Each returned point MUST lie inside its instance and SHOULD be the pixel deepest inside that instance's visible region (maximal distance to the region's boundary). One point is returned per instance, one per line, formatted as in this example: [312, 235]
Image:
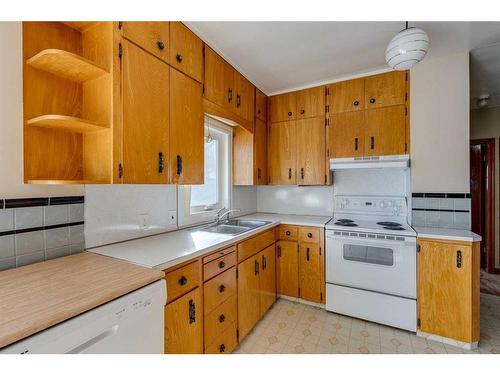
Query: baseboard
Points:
[302, 301]
[448, 341]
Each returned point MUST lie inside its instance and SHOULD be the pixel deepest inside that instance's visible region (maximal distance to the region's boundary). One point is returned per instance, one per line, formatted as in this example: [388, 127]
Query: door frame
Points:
[489, 202]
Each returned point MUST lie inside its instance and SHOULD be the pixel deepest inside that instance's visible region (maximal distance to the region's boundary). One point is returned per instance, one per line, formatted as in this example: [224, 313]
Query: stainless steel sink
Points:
[247, 223]
[232, 227]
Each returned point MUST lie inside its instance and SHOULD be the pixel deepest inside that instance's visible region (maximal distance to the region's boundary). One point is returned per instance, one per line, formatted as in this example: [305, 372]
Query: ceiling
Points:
[283, 56]
[485, 74]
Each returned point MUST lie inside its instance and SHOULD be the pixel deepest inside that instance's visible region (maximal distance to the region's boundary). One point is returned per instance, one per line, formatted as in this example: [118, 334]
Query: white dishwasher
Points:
[133, 323]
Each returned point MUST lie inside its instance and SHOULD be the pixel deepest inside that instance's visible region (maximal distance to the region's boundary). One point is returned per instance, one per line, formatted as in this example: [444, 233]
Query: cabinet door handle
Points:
[161, 162]
[256, 267]
[259, 173]
[289, 173]
[238, 100]
[222, 264]
[288, 233]
[222, 348]
[302, 173]
[309, 235]
[229, 95]
[161, 45]
[279, 251]
[179, 165]
[258, 111]
[222, 288]
[307, 254]
[356, 144]
[289, 114]
[182, 281]
[372, 142]
[192, 312]
[222, 318]
[372, 100]
[356, 103]
[302, 111]
[459, 259]
[264, 262]
[178, 57]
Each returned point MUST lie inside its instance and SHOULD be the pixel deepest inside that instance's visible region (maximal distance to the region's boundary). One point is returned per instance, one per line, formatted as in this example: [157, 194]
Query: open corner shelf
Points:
[67, 182]
[66, 65]
[66, 123]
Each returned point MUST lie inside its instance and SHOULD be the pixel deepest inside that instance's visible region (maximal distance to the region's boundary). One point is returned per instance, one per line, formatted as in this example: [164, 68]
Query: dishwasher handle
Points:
[94, 340]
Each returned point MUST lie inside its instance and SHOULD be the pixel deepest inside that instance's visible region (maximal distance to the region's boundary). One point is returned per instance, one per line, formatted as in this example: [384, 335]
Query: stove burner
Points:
[394, 228]
[345, 221]
[388, 224]
[345, 224]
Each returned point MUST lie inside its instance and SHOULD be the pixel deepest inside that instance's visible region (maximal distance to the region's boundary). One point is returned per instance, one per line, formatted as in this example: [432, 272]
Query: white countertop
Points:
[447, 234]
[169, 249]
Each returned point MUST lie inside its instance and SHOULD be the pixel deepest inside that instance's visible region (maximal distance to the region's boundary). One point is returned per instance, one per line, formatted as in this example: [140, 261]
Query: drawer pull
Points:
[356, 144]
[302, 111]
[222, 348]
[309, 235]
[288, 233]
[307, 254]
[222, 288]
[356, 103]
[192, 312]
[178, 57]
[459, 259]
[372, 100]
[161, 45]
[222, 264]
[183, 281]
[289, 113]
[222, 318]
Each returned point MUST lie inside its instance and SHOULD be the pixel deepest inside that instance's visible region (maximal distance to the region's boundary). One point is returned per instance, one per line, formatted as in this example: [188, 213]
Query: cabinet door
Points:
[385, 89]
[346, 134]
[152, 36]
[219, 80]
[186, 130]
[311, 102]
[186, 51]
[248, 295]
[445, 287]
[283, 107]
[145, 117]
[283, 153]
[385, 132]
[184, 324]
[311, 154]
[245, 97]
[267, 278]
[310, 272]
[346, 96]
[288, 268]
[260, 105]
[260, 152]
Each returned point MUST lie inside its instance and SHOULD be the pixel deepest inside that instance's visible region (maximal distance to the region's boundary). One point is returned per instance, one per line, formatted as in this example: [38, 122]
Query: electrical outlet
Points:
[144, 221]
[172, 217]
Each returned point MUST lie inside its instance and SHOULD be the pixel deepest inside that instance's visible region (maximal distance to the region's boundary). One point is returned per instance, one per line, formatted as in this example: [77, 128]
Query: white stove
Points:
[371, 261]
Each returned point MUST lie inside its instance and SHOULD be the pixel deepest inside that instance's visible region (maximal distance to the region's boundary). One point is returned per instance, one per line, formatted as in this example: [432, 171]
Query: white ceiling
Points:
[485, 74]
[282, 56]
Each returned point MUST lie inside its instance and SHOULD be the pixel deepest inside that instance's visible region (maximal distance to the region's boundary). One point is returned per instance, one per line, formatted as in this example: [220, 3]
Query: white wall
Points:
[11, 122]
[439, 115]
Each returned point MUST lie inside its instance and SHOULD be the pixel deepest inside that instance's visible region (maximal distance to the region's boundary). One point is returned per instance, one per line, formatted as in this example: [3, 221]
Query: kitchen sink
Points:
[233, 227]
[246, 223]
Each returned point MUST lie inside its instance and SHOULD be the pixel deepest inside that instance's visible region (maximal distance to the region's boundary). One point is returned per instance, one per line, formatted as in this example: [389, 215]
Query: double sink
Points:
[232, 227]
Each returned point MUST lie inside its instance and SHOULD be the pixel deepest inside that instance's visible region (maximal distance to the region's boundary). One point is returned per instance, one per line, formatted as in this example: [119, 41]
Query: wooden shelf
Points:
[66, 123]
[67, 182]
[66, 64]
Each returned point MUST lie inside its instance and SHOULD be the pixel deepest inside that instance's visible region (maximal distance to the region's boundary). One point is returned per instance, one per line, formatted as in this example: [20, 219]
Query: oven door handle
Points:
[373, 241]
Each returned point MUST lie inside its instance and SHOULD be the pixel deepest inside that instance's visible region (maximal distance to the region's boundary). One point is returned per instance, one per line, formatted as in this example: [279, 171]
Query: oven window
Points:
[369, 254]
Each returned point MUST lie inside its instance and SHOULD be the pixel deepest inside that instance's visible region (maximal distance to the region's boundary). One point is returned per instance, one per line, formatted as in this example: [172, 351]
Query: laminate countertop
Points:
[166, 250]
[447, 234]
[40, 295]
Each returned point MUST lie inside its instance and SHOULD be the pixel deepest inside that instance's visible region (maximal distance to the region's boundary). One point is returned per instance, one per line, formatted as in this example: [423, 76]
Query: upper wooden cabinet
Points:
[260, 152]
[385, 131]
[244, 101]
[186, 51]
[311, 102]
[386, 89]
[346, 96]
[283, 107]
[346, 134]
[152, 36]
[283, 153]
[260, 105]
[311, 151]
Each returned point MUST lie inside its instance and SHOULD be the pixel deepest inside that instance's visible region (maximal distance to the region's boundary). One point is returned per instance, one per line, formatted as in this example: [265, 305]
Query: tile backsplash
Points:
[37, 229]
[443, 210]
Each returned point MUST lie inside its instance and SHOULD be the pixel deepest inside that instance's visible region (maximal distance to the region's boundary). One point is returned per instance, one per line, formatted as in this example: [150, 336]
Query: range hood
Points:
[369, 162]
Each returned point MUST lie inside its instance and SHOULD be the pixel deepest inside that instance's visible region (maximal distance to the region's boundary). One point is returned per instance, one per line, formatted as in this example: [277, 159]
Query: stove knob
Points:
[382, 204]
[389, 203]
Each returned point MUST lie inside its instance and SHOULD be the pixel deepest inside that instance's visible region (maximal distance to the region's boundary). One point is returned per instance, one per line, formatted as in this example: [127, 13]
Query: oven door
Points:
[381, 265]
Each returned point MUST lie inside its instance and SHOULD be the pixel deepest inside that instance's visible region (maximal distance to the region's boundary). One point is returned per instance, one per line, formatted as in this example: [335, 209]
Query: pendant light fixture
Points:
[407, 48]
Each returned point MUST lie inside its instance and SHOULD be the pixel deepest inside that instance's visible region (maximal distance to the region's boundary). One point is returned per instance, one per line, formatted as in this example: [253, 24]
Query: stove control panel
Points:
[390, 206]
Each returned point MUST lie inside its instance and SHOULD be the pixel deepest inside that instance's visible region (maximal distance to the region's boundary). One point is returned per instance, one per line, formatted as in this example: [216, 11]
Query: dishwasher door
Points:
[131, 324]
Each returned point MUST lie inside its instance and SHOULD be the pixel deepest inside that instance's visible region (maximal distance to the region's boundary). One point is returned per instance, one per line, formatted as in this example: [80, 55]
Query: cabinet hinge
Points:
[299, 292]
[237, 273]
[406, 76]
[203, 89]
[326, 179]
[120, 170]
[406, 111]
[327, 91]
[327, 152]
[406, 147]
[406, 97]
[120, 25]
[418, 322]
[237, 333]
[321, 296]
[120, 50]
[327, 108]
[418, 248]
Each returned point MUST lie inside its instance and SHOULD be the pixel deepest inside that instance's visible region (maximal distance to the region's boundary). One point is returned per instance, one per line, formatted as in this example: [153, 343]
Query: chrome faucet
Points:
[227, 213]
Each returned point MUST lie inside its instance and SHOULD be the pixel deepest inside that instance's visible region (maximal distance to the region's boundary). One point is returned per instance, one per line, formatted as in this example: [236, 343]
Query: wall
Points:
[11, 122]
[485, 123]
[439, 113]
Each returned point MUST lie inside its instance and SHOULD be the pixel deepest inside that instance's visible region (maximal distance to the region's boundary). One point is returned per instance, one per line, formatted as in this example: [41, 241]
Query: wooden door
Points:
[249, 310]
[184, 324]
[152, 36]
[311, 102]
[187, 146]
[346, 134]
[260, 105]
[386, 89]
[448, 290]
[267, 278]
[260, 152]
[145, 117]
[311, 151]
[245, 97]
[283, 107]
[186, 51]
[288, 268]
[385, 132]
[310, 272]
[283, 153]
[219, 80]
[346, 96]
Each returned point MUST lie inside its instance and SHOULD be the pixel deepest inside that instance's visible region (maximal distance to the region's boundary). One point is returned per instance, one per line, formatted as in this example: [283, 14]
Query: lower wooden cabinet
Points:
[288, 268]
[267, 278]
[310, 256]
[448, 289]
[184, 324]
[224, 343]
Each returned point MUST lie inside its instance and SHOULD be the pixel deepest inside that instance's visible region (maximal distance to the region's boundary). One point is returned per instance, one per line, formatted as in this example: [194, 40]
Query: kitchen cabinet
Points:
[219, 80]
[448, 289]
[186, 130]
[267, 278]
[283, 153]
[385, 131]
[244, 102]
[151, 36]
[146, 117]
[346, 134]
[260, 152]
[311, 102]
[184, 324]
[311, 151]
[346, 96]
[310, 272]
[260, 105]
[283, 107]
[186, 51]
[288, 268]
[383, 90]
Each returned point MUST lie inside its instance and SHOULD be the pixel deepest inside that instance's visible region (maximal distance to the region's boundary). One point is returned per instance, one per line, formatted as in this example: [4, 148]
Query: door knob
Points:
[183, 281]
[222, 288]
[161, 45]
[372, 100]
[178, 57]
[222, 264]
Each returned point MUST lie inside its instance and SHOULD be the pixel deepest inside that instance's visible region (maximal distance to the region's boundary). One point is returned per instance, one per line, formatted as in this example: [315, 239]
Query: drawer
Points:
[219, 289]
[218, 265]
[152, 36]
[220, 319]
[225, 342]
[183, 280]
[308, 234]
[255, 244]
[288, 232]
[218, 254]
